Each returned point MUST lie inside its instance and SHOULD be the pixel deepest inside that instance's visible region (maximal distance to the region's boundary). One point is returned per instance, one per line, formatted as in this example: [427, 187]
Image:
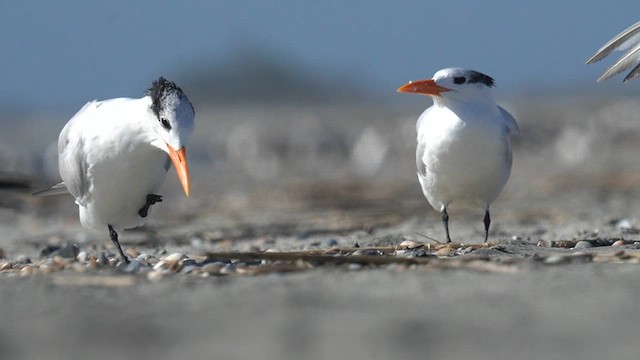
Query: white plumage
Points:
[113, 156]
[464, 149]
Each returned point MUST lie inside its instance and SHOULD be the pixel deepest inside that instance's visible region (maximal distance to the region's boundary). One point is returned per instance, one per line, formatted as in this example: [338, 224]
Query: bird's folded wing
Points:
[509, 122]
[73, 168]
[72, 157]
[420, 165]
[620, 42]
[57, 189]
[629, 59]
[628, 39]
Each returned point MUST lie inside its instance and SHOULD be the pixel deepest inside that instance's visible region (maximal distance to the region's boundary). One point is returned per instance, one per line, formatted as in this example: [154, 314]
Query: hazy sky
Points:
[63, 53]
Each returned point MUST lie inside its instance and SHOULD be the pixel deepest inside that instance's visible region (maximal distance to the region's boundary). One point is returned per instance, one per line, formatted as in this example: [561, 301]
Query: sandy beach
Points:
[557, 280]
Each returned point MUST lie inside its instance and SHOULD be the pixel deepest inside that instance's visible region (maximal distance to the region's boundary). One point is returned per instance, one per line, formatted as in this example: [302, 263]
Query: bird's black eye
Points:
[459, 80]
[165, 123]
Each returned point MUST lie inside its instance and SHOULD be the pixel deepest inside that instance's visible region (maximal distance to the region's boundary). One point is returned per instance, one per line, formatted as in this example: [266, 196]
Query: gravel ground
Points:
[338, 261]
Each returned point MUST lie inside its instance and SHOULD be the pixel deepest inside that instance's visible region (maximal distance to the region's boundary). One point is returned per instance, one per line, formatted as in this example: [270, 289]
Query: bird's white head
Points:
[174, 124]
[452, 84]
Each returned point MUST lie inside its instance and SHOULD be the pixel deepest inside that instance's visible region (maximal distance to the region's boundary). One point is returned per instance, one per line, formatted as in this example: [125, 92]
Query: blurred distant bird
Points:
[113, 155]
[627, 40]
[464, 149]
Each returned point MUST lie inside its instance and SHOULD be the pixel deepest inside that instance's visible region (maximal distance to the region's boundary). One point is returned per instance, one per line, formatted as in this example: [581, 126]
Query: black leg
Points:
[445, 221]
[151, 200]
[114, 237]
[487, 223]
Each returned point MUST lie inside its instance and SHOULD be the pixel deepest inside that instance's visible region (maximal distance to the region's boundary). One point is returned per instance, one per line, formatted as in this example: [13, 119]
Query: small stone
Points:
[544, 243]
[189, 262]
[176, 267]
[175, 257]
[144, 257]
[5, 265]
[212, 268]
[160, 265]
[404, 253]
[409, 244]
[445, 251]
[28, 270]
[354, 266]
[23, 259]
[366, 252]
[618, 243]
[147, 259]
[583, 245]
[52, 265]
[188, 269]
[173, 262]
[411, 253]
[173, 266]
[466, 250]
[133, 267]
[48, 250]
[422, 253]
[59, 261]
[68, 251]
[83, 256]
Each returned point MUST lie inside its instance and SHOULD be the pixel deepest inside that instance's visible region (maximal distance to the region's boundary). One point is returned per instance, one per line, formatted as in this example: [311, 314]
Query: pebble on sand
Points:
[583, 245]
[445, 251]
[409, 244]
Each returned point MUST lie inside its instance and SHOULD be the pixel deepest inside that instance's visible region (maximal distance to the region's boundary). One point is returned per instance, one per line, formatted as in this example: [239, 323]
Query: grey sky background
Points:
[61, 54]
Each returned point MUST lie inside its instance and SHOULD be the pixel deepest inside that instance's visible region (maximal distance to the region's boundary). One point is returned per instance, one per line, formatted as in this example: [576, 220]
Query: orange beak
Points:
[425, 87]
[179, 159]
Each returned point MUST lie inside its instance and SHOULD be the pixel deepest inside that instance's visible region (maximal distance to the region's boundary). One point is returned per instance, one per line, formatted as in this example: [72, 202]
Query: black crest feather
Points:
[478, 77]
[159, 90]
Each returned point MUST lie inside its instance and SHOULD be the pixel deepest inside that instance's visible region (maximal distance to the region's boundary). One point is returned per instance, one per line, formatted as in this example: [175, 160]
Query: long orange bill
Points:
[425, 87]
[179, 159]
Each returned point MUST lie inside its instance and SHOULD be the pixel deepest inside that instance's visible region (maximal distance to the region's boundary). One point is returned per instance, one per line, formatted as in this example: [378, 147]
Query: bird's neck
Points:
[476, 105]
[470, 111]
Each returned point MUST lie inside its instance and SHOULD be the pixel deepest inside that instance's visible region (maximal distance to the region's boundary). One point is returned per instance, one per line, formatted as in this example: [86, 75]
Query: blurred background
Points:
[288, 92]
[302, 142]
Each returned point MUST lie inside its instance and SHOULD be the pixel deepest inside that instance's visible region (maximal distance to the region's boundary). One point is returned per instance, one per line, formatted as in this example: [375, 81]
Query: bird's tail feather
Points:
[57, 189]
